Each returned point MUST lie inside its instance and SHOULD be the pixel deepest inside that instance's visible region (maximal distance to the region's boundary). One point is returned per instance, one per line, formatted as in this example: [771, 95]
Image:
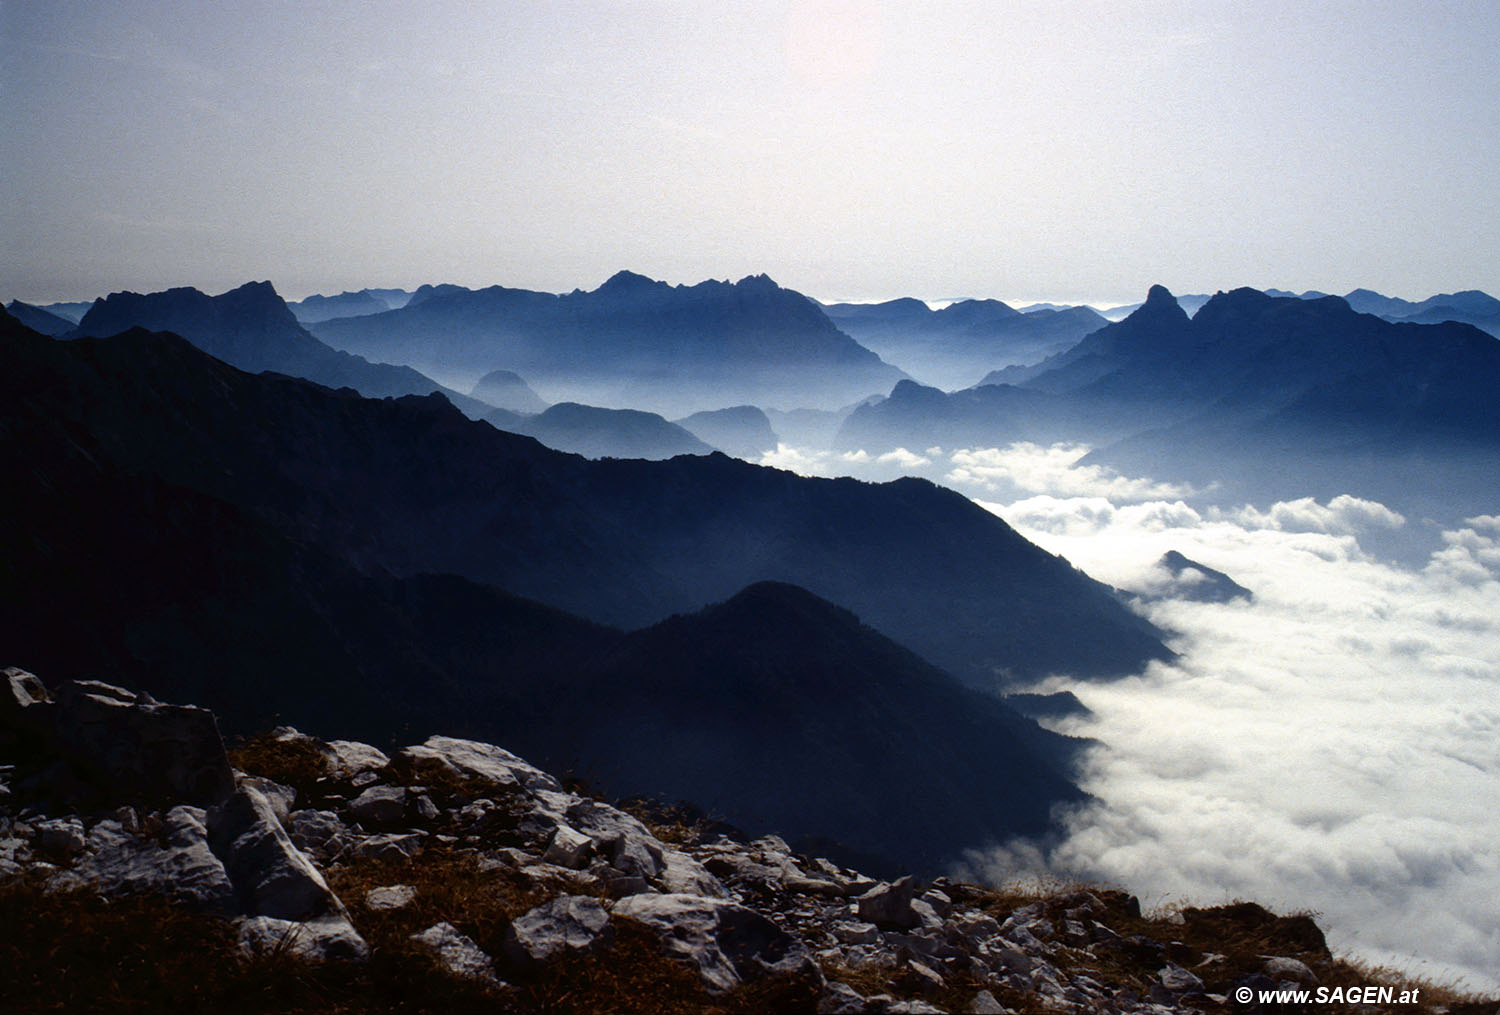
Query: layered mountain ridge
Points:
[1267, 396]
[252, 328]
[305, 555]
[410, 485]
[631, 343]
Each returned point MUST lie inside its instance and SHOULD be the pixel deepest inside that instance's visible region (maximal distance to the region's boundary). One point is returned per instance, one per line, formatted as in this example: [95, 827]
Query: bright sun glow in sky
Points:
[1027, 151]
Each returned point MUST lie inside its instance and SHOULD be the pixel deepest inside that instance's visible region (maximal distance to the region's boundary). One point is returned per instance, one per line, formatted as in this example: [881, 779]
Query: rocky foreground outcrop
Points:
[337, 854]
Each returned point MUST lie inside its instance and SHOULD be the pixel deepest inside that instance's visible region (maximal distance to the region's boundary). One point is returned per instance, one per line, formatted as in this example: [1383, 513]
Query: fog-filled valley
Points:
[811, 567]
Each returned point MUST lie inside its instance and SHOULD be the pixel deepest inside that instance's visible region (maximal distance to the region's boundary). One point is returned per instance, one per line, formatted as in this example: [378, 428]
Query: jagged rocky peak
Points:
[1160, 304]
[459, 858]
[757, 283]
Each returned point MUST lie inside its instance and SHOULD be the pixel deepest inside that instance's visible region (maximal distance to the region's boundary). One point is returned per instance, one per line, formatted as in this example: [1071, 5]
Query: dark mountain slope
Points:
[632, 342]
[252, 328]
[801, 719]
[409, 486]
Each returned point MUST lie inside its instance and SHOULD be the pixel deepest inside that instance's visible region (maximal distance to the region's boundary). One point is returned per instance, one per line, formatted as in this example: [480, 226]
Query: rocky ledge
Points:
[524, 895]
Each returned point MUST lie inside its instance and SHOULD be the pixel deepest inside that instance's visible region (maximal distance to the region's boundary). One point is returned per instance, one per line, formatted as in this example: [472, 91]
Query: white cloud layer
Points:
[1035, 469]
[1333, 746]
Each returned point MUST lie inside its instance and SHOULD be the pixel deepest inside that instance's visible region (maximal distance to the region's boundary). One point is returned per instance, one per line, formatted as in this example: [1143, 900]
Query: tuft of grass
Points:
[295, 763]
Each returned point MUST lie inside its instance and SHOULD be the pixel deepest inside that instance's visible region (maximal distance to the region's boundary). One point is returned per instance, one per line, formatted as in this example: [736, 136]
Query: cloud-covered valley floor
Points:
[1332, 746]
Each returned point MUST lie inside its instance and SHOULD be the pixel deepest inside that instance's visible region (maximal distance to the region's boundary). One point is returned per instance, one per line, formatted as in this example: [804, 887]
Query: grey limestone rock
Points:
[379, 805]
[60, 838]
[568, 847]
[1281, 968]
[482, 762]
[388, 848]
[727, 943]
[185, 869]
[984, 1003]
[270, 875]
[321, 833]
[390, 897]
[349, 758]
[569, 923]
[841, 999]
[457, 953]
[138, 748]
[329, 938]
[1179, 980]
[889, 905]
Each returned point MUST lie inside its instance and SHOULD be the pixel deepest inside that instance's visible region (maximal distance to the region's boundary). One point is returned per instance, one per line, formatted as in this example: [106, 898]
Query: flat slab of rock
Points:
[184, 870]
[327, 939]
[569, 923]
[390, 897]
[483, 762]
[457, 953]
[725, 942]
[379, 805]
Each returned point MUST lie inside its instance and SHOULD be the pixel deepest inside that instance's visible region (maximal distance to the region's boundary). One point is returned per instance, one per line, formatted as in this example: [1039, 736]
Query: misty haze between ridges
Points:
[1294, 499]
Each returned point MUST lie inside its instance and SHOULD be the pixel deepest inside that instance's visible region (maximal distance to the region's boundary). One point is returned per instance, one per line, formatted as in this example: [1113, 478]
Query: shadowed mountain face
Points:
[952, 347]
[603, 433]
[776, 709]
[631, 343]
[1267, 396]
[251, 328]
[788, 702]
[409, 486]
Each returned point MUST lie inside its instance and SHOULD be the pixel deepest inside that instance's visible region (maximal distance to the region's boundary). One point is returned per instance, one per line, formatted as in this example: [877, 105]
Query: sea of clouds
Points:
[1332, 746]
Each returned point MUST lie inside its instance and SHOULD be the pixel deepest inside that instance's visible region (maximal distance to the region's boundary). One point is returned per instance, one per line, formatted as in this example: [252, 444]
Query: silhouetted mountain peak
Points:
[257, 298]
[626, 283]
[757, 283]
[775, 603]
[1161, 311]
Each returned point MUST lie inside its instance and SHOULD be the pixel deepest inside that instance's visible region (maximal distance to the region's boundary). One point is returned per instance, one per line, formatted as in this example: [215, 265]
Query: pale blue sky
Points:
[1025, 151]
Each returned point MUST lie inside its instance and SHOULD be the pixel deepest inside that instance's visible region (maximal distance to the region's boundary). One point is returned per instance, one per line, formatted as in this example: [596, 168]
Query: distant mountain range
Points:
[955, 346]
[1468, 307]
[1279, 395]
[742, 431]
[348, 304]
[251, 327]
[631, 343]
[602, 433]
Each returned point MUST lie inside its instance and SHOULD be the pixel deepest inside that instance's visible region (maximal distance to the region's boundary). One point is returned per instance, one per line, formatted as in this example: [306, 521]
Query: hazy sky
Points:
[850, 150]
